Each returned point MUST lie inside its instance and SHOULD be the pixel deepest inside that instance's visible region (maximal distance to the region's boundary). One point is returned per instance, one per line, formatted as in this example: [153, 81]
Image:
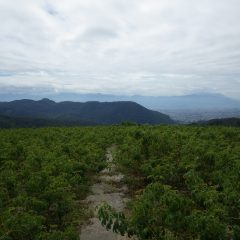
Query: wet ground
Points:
[109, 188]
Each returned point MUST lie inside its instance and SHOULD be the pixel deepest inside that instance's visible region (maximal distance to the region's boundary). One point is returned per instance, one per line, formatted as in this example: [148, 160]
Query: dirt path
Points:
[110, 189]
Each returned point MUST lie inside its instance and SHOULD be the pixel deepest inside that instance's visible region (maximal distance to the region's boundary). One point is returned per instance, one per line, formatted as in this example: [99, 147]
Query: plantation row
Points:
[185, 183]
[43, 175]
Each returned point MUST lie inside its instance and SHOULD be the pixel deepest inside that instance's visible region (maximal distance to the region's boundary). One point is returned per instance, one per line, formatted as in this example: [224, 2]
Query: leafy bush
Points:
[190, 186]
[43, 175]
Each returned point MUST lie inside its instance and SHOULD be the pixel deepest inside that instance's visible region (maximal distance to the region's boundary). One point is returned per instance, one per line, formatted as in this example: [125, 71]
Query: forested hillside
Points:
[229, 122]
[76, 112]
[32, 122]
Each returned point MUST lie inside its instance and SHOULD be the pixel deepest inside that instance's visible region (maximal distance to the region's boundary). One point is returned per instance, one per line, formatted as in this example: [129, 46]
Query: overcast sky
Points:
[147, 47]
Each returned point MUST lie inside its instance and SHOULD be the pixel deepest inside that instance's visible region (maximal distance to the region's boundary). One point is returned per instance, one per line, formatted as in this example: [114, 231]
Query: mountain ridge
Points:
[202, 100]
[91, 111]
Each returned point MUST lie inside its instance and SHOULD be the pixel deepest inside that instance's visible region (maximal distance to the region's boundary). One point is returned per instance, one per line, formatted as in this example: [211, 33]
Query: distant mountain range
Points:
[193, 101]
[47, 112]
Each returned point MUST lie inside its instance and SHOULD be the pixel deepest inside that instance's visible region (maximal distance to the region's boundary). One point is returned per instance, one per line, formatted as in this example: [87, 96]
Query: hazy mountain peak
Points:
[46, 100]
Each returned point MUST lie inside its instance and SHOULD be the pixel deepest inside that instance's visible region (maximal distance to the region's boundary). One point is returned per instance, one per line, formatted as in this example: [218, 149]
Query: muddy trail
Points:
[109, 188]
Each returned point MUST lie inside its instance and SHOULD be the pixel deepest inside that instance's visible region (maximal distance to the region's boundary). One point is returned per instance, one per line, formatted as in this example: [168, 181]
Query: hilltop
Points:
[88, 113]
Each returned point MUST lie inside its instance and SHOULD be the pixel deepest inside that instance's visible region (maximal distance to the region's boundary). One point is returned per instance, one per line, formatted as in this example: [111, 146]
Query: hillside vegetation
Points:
[32, 122]
[77, 113]
[43, 175]
[184, 181]
[229, 122]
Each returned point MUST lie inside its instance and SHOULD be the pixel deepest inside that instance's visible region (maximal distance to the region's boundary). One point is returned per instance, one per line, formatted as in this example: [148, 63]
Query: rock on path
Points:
[108, 189]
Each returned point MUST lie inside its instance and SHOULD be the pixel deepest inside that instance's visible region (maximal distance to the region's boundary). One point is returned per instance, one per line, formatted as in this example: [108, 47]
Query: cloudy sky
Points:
[147, 47]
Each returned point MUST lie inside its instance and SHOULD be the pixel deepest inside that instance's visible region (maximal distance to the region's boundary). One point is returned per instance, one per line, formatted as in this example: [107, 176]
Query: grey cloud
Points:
[146, 47]
[99, 33]
[50, 9]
